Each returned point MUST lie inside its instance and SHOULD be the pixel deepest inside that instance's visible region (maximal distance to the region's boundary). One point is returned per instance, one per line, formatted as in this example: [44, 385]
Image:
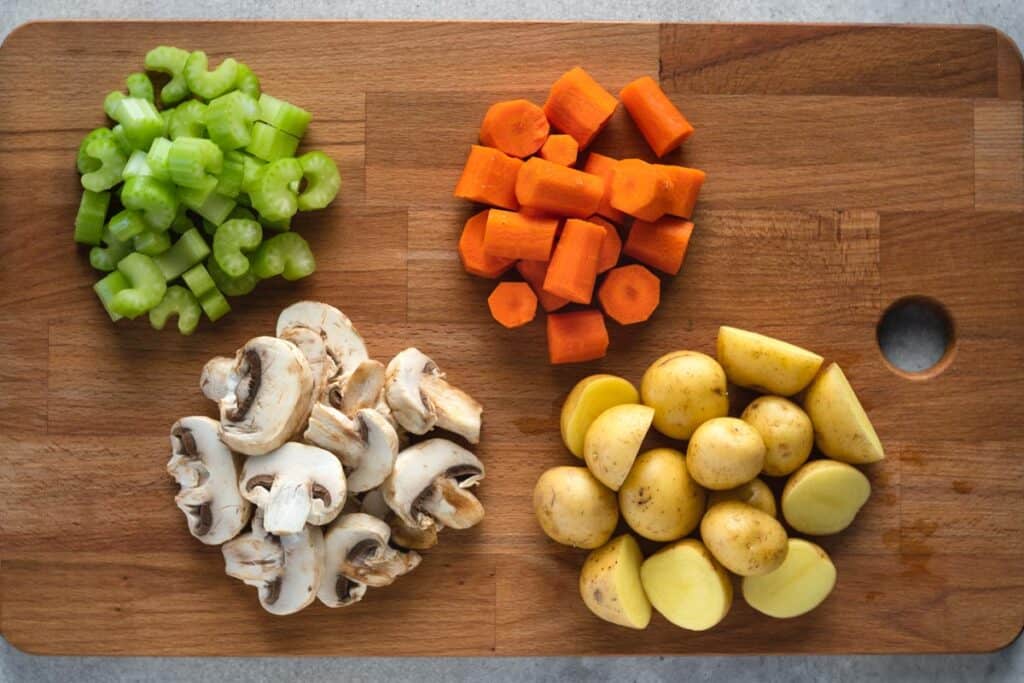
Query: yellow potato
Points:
[754, 493]
[786, 430]
[686, 389]
[765, 364]
[687, 586]
[745, 540]
[589, 398]
[659, 499]
[824, 496]
[614, 439]
[574, 508]
[725, 453]
[842, 429]
[804, 580]
[610, 583]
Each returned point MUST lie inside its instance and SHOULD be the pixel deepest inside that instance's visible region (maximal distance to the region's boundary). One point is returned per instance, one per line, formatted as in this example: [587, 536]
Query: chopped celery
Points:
[152, 242]
[187, 120]
[270, 194]
[107, 288]
[139, 85]
[137, 165]
[157, 158]
[209, 84]
[216, 208]
[111, 101]
[118, 135]
[284, 115]
[229, 183]
[322, 178]
[105, 258]
[199, 281]
[232, 238]
[242, 212]
[287, 254]
[147, 286]
[182, 223]
[126, 224]
[189, 250]
[271, 144]
[194, 197]
[142, 122]
[180, 302]
[214, 305]
[92, 213]
[86, 163]
[250, 171]
[231, 286]
[229, 119]
[192, 160]
[247, 82]
[156, 200]
[112, 161]
[171, 61]
[282, 225]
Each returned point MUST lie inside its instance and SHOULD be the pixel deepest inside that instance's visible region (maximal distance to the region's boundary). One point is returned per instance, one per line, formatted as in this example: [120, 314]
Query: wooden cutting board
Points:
[848, 166]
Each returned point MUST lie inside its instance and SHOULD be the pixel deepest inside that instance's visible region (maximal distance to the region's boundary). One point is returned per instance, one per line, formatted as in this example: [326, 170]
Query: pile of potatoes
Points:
[714, 489]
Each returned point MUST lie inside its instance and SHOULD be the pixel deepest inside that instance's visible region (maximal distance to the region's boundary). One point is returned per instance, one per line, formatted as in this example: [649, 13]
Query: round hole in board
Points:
[917, 337]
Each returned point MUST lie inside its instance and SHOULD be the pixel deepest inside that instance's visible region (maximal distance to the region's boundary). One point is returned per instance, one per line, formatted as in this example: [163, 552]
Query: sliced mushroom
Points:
[312, 346]
[428, 486]
[341, 341]
[207, 472]
[362, 388]
[357, 548]
[285, 569]
[421, 399]
[402, 535]
[342, 592]
[294, 485]
[264, 394]
[367, 445]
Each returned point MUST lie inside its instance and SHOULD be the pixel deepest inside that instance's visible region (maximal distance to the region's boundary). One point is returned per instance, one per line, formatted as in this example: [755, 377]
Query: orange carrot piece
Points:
[630, 294]
[560, 190]
[560, 149]
[514, 236]
[604, 167]
[516, 127]
[611, 247]
[661, 244]
[685, 186]
[534, 272]
[662, 124]
[489, 177]
[579, 106]
[513, 304]
[639, 189]
[576, 337]
[573, 267]
[471, 250]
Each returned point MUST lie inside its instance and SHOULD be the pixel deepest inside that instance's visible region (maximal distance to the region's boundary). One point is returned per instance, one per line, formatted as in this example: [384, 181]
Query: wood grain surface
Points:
[849, 166]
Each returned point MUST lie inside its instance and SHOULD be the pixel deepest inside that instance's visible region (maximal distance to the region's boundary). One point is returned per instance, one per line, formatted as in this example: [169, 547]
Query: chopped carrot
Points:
[639, 189]
[513, 304]
[662, 124]
[661, 244]
[557, 189]
[579, 106]
[603, 167]
[685, 186]
[489, 177]
[534, 272]
[630, 294]
[611, 248]
[576, 337]
[514, 236]
[516, 127]
[560, 149]
[471, 250]
[573, 267]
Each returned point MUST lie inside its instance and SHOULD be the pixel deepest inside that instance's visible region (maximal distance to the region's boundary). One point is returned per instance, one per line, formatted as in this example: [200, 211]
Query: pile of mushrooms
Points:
[314, 478]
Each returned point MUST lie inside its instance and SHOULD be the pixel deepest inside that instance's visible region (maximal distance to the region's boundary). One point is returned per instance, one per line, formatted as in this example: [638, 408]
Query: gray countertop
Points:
[1006, 665]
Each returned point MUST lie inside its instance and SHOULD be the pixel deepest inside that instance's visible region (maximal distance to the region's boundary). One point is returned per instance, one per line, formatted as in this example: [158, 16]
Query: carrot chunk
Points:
[560, 149]
[684, 186]
[471, 250]
[514, 236]
[534, 272]
[579, 106]
[563, 191]
[603, 167]
[661, 123]
[516, 127]
[573, 267]
[630, 294]
[513, 304]
[611, 247]
[489, 177]
[639, 189]
[661, 244]
[576, 337]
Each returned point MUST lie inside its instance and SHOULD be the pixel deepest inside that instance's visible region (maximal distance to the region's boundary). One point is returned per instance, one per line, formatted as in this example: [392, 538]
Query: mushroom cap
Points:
[264, 393]
[207, 473]
[312, 346]
[294, 485]
[343, 343]
[286, 570]
[367, 445]
[357, 548]
[420, 398]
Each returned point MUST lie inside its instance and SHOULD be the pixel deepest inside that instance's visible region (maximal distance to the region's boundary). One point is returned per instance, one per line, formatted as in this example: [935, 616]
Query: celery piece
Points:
[216, 208]
[322, 181]
[157, 158]
[234, 237]
[118, 136]
[110, 103]
[112, 161]
[191, 160]
[287, 254]
[142, 122]
[214, 305]
[251, 169]
[271, 144]
[139, 85]
[126, 224]
[155, 199]
[188, 121]
[91, 216]
[229, 183]
[182, 223]
[189, 250]
[105, 258]
[209, 227]
[270, 194]
[84, 162]
[229, 119]
[247, 82]
[170, 61]
[180, 302]
[137, 165]
[107, 288]
[283, 225]
[242, 212]
[194, 197]
[231, 286]
[284, 115]
[209, 84]
[147, 286]
[198, 280]
[152, 242]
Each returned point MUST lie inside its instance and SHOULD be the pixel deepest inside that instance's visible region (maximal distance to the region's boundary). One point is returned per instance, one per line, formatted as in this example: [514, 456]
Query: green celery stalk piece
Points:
[189, 250]
[91, 217]
[284, 116]
[105, 258]
[156, 158]
[191, 161]
[125, 225]
[231, 286]
[142, 122]
[139, 85]
[112, 161]
[121, 139]
[187, 121]
[247, 82]
[107, 288]
[229, 119]
[209, 84]
[182, 223]
[214, 305]
[216, 208]
[84, 162]
[229, 183]
[283, 225]
[195, 197]
[287, 254]
[199, 281]
[252, 167]
[233, 237]
[180, 302]
[137, 165]
[111, 102]
[170, 61]
[152, 242]
[270, 144]
[322, 181]
[155, 199]
[146, 290]
[271, 197]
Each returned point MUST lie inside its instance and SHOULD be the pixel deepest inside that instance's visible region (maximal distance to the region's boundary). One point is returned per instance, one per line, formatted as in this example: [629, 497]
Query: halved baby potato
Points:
[610, 583]
[824, 496]
[687, 585]
[765, 364]
[754, 493]
[589, 398]
[614, 439]
[800, 584]
[659, 499]
[745, 540]
[842, 429]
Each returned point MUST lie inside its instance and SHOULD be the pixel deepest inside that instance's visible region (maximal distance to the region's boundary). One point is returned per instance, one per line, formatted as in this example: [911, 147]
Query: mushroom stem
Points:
[456, 410]
[288, 506]
[452, 505]
[379, 565]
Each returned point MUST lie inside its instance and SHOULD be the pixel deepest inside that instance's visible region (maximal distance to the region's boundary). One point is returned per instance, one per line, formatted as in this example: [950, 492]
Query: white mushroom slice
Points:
[264, 394]
[207, 472]
[285, 569]
[402, 535]
[357, 548]
[421, 399]
[341, 341]
[341, 592]
[294, 485]
[367, 445]
[429, 486]
[312, 346]
[362, 388]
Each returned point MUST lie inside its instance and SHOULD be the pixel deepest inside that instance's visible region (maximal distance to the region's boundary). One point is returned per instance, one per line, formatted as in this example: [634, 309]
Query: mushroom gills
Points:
[402, 535]
[377, 564]
[450, 504]
[363, 388]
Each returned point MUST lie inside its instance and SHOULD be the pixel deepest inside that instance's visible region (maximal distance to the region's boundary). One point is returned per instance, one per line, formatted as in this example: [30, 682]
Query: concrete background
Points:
[1006, 665]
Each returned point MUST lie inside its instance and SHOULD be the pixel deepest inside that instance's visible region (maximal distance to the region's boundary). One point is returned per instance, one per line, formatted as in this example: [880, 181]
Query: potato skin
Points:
[589, 398]
[574, 508]
[754, 493]
[610, 583]
[659, 499]
[686, 389]
[786, 430]
[725, 453]
[765, 364]
[613, 442]
[745, 540]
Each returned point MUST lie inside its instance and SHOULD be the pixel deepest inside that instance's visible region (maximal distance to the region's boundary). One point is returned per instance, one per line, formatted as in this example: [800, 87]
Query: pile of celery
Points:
[217, 151]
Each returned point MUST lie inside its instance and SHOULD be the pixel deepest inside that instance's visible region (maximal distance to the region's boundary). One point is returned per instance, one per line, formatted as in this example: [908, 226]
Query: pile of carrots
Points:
[556, 221]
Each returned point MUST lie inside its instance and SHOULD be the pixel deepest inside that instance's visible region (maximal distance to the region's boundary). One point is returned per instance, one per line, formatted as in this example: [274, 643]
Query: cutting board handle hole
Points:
[917, 337]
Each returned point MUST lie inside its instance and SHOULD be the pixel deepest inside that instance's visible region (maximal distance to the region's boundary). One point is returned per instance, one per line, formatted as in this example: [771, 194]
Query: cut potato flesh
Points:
[589, 398]
[765, 364]
[613, 441]
[610, 583]
[802, 583]
[687, 586]
[824, 496]
[842, 429]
